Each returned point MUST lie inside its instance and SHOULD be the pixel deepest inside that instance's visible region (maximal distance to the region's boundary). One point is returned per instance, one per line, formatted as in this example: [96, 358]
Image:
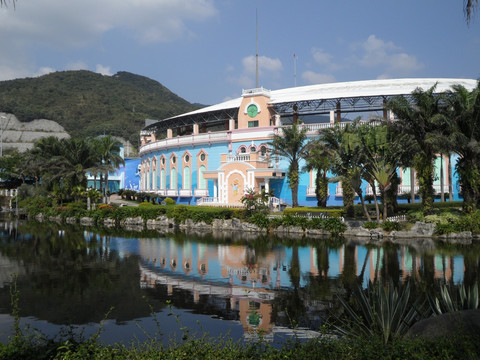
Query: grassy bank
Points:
[208, 348]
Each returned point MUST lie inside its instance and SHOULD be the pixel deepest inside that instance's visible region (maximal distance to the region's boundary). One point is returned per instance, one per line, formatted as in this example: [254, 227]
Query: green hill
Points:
[90, 104]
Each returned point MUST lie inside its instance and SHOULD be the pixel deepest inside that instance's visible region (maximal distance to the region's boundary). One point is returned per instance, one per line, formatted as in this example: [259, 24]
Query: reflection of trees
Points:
[71, 280]
[349, 275]
[390, 270]
[291, 305]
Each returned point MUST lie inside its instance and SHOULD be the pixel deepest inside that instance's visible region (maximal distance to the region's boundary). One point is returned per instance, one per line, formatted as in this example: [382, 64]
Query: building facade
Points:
[212, 156]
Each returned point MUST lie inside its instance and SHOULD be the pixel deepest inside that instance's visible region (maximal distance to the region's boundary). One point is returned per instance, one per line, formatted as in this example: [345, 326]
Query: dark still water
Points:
[147, 285]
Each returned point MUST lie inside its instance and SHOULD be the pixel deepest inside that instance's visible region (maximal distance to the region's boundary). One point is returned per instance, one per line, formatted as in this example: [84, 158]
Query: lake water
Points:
[141, 285]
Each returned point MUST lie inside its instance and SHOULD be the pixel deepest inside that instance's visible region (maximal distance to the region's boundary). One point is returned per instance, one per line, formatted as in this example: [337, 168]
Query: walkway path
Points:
[117, 199]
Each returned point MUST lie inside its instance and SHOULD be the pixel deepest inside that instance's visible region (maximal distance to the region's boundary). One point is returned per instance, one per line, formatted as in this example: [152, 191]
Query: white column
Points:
[332, 117]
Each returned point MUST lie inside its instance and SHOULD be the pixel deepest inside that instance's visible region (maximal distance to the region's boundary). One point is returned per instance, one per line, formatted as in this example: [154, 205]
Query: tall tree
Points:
[109, 155]
[71, 166]
[460, 133]
[319, 158]
[291, 144]
[348, 161]
[417, 115]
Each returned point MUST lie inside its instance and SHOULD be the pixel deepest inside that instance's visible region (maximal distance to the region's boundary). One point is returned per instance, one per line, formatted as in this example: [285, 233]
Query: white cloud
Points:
[61, 23]
[104, 70]
[325, 60]
[311, 77]
[44, 71]
[265, 64]
[321, 57]
[77, 65]
[387, 57]
[267, 68]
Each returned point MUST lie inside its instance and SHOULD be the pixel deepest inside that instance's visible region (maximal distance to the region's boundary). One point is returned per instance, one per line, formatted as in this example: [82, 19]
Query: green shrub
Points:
[316, 223]
[169, 201]
[35, 205]
[289, 220]
[468, 222]
[334, 225]
[146, 204]
[441, 229]
[259, 219]
[303, 211]
[180, 213]
[390, 226]
[276, 222]
[370, 225]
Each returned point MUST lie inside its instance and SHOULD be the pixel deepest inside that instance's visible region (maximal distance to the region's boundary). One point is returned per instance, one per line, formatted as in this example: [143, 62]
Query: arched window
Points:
[173, 178]
[186, 177]
[162, 179]
[150, 175]
[201, 180]
[243, 150]
[263, 150]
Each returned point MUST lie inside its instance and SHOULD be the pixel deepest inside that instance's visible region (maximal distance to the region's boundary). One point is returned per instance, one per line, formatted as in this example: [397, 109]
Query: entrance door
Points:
[235, 188]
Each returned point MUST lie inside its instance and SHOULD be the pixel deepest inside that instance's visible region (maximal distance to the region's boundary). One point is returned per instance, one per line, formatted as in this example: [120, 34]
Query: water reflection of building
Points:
[243, 265]
[254, 305]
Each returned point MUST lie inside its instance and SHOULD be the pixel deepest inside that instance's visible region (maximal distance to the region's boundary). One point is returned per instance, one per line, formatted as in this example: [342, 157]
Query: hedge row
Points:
[313, 212]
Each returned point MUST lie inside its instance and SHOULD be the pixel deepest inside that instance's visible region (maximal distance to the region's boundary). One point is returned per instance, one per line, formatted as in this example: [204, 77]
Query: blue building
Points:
[212, 156]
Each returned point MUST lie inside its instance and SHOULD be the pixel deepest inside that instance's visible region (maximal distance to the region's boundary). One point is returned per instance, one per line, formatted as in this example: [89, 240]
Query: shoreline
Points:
[354, 232]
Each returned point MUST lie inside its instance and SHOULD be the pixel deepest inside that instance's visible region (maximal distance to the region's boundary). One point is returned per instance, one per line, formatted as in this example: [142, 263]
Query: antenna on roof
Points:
[256, 56]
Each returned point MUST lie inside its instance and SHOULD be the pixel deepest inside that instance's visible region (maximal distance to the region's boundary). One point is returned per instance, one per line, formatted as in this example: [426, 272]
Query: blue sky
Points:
[204, 50]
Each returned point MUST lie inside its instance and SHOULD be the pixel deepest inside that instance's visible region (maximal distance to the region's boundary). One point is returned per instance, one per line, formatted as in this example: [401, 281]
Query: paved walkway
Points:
[117, 199]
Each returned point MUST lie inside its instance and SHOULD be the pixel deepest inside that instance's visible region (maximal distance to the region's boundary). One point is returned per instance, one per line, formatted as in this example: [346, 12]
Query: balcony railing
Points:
[172, 192]
[194, 139]
[158, 192]
[239, 157]
[201, 192]
[185, 192]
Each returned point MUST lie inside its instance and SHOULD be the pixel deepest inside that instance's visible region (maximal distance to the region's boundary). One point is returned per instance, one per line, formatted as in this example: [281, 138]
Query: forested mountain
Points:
[90, 104]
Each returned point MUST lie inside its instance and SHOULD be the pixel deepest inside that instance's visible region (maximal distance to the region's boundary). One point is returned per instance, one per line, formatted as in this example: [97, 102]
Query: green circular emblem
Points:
[252, 110]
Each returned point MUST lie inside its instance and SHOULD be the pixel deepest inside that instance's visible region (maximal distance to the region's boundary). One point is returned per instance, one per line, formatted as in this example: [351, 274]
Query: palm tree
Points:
[71, 167]
[40, 161]
[290, 144]
[334, 139]
[383, 174]
[461, 135]
[348, 161]
[469, 8]
[319, 158]
[417, 117]
[109, 155]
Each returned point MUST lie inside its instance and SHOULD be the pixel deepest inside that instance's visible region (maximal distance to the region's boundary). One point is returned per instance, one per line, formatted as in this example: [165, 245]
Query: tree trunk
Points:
[442, 195]
[365, 211]
[375, 200]
[449, 176]
[348, 197]
[106, 188]
[385, 205]
[321, 188]
[412, 184]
